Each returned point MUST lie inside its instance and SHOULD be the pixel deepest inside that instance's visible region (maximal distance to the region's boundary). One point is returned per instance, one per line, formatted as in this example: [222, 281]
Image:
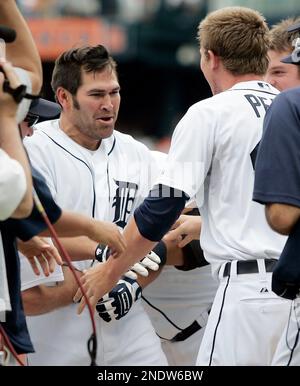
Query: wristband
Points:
[161, 250]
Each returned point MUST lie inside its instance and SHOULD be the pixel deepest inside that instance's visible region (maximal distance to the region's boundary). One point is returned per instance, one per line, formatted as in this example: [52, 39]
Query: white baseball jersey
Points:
[107, 184]
[211, 157]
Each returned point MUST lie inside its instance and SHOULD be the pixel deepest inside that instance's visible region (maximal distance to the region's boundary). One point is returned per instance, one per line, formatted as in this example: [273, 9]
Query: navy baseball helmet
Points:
[294, 58]
[44, 109]
[294, 27]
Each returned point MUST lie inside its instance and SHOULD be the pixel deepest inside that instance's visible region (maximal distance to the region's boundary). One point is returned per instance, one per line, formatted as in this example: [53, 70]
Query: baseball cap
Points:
[293, 28]
[44, 109]
[294, 58]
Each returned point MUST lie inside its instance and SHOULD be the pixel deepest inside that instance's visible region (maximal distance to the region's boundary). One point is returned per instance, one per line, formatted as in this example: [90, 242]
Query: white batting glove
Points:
[149, 262]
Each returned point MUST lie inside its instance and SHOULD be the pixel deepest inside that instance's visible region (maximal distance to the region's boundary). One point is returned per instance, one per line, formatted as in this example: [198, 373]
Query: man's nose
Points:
[107, 103]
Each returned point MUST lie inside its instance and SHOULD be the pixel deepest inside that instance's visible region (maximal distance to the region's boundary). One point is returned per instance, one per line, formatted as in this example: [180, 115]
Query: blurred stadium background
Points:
[154, 43]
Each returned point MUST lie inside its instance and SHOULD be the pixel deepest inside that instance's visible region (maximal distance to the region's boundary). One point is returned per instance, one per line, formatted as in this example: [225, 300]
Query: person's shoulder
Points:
[42, 131]
[47, 125]
[128, 140]
[208, 105]
[159, 156]
[202, 103]
[287, 100]
[291, 94]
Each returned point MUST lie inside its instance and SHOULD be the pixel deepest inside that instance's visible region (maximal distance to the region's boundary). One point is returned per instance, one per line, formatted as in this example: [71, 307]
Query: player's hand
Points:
[109, 234]
[96, 282]
[185, 229]
[40, 254]
[150, 261]
[117, 303]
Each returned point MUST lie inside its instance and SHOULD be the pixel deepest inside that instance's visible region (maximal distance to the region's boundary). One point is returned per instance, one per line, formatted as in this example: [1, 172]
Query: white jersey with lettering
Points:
[212, 157]
[106, 184]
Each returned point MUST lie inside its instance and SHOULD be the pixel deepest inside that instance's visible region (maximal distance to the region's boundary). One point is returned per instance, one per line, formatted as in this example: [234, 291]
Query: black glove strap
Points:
[99, 252]
[18, 93]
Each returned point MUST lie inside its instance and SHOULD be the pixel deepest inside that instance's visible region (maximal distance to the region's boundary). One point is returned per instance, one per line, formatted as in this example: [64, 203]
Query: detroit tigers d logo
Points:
[123, 201]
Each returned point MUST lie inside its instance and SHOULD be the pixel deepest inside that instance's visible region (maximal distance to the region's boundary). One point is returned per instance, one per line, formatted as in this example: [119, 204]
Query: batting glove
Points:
[117, 303]
[150, 261]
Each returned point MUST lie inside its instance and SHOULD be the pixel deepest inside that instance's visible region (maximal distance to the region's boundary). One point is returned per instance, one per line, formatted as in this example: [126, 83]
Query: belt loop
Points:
[233, 268]
[221, 270]
[262, 269]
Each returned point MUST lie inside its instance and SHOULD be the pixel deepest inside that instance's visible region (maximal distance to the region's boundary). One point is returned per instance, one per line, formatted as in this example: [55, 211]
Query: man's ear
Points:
[213, 59]
[63, 97]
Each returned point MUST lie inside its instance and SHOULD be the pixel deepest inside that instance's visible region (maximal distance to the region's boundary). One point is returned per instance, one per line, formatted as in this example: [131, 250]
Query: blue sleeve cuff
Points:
[155, 216]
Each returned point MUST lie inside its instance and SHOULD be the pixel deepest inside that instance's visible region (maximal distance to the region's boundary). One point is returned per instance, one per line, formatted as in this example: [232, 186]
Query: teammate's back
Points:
[228, 211]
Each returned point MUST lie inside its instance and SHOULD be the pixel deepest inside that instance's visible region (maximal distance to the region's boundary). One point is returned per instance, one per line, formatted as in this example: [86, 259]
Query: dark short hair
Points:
[69, 65]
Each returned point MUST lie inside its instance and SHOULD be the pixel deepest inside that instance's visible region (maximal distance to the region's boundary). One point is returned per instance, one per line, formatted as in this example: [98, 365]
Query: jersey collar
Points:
[254, 85]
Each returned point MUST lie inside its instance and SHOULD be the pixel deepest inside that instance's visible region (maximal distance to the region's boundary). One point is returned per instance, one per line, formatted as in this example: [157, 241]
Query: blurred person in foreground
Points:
[27, 71]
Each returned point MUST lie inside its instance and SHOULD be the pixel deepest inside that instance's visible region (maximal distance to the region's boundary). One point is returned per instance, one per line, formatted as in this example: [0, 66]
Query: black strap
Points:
[184, 333]
[19, 92]
[187, 332]
[161, 250]
[249, 266]
[99, 251]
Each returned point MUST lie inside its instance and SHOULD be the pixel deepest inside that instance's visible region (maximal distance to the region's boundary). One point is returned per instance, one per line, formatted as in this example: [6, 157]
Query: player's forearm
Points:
[79, 248]
[72, 224]
[103, 232]
[137, 248]
[144, 281]
[11, 16]
[282, 218]
[41, 299]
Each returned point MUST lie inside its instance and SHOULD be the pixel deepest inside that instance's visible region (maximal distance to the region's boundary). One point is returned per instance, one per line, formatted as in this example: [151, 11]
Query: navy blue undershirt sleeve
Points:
[155, 216]
[277, 166]
[25, 229]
